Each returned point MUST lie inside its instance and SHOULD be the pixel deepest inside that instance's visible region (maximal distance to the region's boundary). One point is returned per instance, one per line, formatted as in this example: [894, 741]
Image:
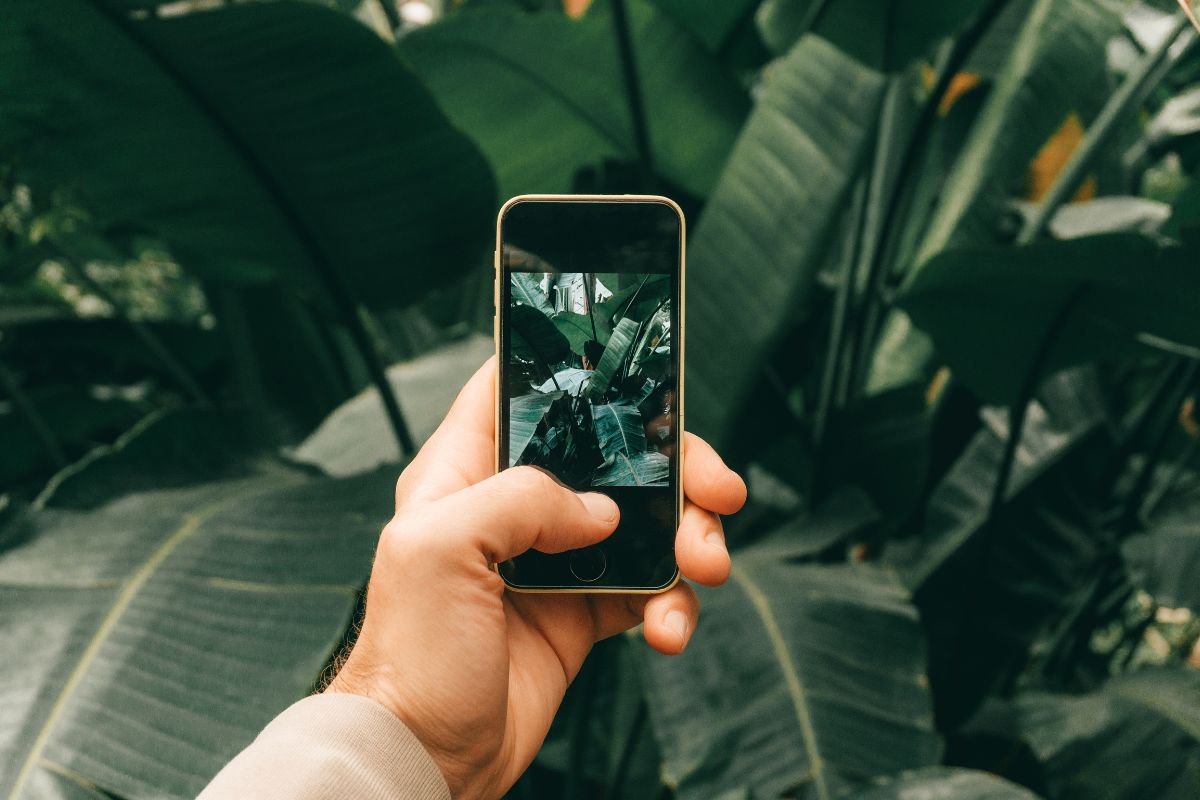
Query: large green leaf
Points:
[995, 315]
[988, 587]
[525, 413]
[619, 429]
[260, 141]
[760, 241]
[638, 469]
[799, 678]
[713, 22]
[887, 34]
[124, 625]
[1055, 66]
[1136, 736]
[578, 329]
[615, 354]
[543, 94]
[533, 336]
[527, 291]
[938, 783]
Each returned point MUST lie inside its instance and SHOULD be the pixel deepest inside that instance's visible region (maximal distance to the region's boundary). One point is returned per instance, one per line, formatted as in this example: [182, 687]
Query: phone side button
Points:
[588, 564]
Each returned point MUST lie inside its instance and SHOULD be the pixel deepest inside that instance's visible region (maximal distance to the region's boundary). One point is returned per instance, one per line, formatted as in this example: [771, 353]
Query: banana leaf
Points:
[1055, 64]
[542, 94]
[713, 22]
[535, 338]
[152, 638]
[525, 413]
[567, 380]
[262, 142]
[989, 587]
[818, 671]
[579, 332]
[764, 232]
[526, 289]
[613, 361]
[619, 429]
[945, 782]
[634, 300]
[996, 315]
[886, 35]
[1138, 735]
[639, 469]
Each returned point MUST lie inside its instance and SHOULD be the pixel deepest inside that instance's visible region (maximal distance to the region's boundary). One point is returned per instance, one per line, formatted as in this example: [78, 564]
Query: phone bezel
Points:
[584, 588]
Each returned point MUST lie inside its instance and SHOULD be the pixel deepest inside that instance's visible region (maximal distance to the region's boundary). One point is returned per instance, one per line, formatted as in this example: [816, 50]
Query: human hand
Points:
[477, 672]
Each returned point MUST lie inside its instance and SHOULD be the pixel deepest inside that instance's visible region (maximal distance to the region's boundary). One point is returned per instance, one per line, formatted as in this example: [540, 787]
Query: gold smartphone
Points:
[589, 346]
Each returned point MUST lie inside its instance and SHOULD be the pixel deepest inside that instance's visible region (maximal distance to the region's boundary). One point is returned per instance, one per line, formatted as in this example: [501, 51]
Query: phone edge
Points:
[679, 493]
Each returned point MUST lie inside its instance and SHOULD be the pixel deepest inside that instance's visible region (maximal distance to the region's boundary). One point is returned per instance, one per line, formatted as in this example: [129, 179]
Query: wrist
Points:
[465, 783]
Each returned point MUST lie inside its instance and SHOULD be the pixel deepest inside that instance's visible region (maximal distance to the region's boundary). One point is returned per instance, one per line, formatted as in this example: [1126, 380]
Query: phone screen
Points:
[589, 341]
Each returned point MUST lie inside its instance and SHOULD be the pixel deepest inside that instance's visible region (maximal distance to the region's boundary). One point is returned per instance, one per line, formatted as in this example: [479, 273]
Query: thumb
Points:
[524, 508]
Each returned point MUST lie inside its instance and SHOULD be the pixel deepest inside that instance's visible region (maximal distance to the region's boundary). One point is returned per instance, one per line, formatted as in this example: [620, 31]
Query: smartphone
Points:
[589, 343]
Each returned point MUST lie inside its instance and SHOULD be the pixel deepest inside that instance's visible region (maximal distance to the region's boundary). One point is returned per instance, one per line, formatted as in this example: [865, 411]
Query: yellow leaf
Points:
[1052, 158]
[575, 8]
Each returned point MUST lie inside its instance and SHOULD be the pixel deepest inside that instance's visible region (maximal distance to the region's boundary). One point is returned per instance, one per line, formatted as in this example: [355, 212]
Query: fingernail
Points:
[600, 506]
[715, 538]
[677, 622]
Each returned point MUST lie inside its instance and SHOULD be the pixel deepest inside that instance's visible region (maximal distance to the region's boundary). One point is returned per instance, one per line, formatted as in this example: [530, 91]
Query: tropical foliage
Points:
[944, 273]
[594, 361]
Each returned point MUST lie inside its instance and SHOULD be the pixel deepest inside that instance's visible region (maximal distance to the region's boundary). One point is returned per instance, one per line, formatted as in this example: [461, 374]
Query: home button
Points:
[588, 564]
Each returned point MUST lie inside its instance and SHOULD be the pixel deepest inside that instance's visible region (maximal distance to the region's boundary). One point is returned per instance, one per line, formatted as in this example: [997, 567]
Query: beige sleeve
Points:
[332, 746]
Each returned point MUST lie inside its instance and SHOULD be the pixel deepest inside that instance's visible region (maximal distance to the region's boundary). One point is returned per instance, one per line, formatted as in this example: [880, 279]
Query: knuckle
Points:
[532, 483]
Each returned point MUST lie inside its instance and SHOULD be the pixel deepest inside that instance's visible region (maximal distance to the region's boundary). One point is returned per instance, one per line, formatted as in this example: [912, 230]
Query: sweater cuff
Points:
[332, 746]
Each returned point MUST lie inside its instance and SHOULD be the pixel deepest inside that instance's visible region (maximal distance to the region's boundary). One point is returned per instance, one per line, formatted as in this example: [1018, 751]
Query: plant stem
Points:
[591, 296]
[391, 405]
[27, 407]
[1019, 411]
[633, 93]
[1128, 98]
[841, 312]
[1139, 420]
[868, 246]
[142, 331]
[634, 297]
[869, 318]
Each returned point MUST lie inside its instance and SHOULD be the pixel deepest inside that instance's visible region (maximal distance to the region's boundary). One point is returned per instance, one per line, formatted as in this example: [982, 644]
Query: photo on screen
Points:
[590, 376]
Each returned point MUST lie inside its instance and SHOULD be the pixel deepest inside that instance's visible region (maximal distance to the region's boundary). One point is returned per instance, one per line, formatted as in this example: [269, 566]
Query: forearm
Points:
[332, 746]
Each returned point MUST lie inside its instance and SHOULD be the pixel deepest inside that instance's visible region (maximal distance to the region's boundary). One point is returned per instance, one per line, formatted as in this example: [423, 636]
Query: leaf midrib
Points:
[132, 587]
[792, 681]
[620, 428]
[240, 146]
